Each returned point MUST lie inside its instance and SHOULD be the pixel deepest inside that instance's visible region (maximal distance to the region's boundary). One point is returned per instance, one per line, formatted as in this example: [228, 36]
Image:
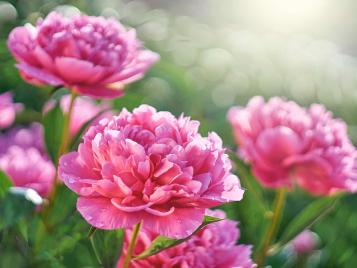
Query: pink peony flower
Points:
[84, 109]
[23, 160]
[8, 110]
[91, 55]
[287, 144]
[305, 242]
[149, 166]
[214, 246]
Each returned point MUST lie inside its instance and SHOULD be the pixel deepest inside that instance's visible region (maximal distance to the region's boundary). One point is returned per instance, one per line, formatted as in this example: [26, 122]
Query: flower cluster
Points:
[91, 55]
[149, 166]
[214, 246]
[287, 144]
[23, 159]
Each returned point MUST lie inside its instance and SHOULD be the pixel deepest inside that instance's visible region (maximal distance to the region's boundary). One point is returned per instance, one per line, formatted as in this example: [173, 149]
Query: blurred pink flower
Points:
[22, 158]
[91, 55]
[214, 246]
[8, 110]
[84, 109]
[305, 242]
[31, 136]
[150, 166]
[288, 144]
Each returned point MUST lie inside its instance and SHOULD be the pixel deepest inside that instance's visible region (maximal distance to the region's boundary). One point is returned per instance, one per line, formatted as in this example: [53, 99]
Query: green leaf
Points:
[107, 246]
[77, 138]
[13, 207]
[53, 122]
[5, 184]
[131, 100]
[63, 205]
[161, 243]
[22, 227]
[250, 183]
[59, 93]
[309, 216]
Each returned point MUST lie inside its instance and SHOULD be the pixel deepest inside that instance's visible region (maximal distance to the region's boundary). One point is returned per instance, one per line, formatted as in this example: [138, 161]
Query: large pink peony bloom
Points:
[91, 55]
[84, 110]
[214, 246]
[149, 166]
[22, 158]
[8, 110]
[287, 144]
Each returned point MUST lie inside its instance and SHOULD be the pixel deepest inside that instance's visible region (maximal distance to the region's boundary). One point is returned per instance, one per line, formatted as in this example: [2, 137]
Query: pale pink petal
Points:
[101, 213]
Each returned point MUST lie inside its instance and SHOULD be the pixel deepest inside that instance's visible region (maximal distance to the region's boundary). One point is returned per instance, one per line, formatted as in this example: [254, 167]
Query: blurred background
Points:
[216, 54]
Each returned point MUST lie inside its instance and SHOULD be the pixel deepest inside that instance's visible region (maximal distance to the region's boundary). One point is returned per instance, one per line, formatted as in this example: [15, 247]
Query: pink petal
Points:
[277, 143]
[116, 203]
[100, 213]
[160, 213]
[232, 189]
[136, 71]
[315, 175]
[45, 59]
[98, 91]
[39, 74]
[180, 224]
[73, 70]
[72, 170]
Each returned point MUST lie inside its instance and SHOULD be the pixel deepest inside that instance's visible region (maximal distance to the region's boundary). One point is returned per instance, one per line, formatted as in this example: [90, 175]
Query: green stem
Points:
[132, 244]
[95, 250]
[65, 139]
[243, 173]
[272, 229]
[91, 231]
[67, 120]
[63, 148]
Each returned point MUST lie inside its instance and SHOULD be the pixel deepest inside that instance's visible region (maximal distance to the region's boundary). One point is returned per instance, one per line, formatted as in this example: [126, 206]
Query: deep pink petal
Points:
[98, 91]
[75, 71]
[40, 74]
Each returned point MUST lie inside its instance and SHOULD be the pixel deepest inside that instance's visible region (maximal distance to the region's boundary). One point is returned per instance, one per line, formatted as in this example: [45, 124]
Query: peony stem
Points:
[95, 250]
[64, 140]
[272, 229]
[66, 123]
[244, 174]
[62, 149]
[132, 244]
